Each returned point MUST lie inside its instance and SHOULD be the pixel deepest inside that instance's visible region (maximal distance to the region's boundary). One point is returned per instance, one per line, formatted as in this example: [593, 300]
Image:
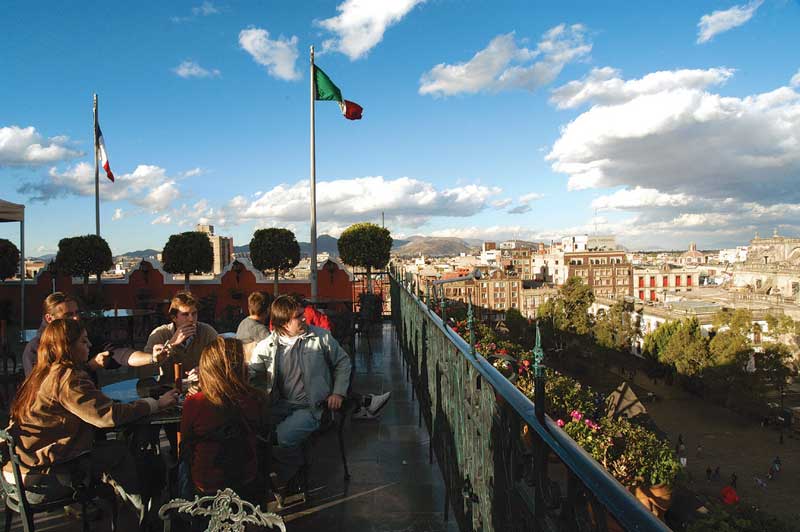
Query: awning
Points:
[11, 212]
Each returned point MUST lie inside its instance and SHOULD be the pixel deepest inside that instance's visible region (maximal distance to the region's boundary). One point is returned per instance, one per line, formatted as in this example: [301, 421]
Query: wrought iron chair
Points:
[16, 500]
[226, 511]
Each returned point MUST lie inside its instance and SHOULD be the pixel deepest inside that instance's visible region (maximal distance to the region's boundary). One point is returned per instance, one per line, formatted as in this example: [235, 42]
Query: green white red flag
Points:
[325, 89]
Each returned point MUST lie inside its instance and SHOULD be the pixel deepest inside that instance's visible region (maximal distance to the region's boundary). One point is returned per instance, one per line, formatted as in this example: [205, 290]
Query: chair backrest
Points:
[226, 512]
[8, 453]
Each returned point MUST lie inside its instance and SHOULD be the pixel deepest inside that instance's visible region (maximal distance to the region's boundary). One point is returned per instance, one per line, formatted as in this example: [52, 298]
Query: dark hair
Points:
[223, 373]
[282, 311]
[181, 299]
[258, 303]
[53, 355]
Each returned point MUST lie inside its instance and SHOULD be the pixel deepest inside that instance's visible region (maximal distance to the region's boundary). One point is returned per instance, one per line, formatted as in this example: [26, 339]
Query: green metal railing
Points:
[495, 481]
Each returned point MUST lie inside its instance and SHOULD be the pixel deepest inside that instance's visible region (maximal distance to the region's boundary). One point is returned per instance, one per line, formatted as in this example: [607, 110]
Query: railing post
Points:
[471, 327]
[540, 453]
[444, 308]
[428, 294]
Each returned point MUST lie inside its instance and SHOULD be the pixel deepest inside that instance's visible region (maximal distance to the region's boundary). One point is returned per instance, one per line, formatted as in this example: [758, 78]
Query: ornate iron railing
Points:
[494, 480]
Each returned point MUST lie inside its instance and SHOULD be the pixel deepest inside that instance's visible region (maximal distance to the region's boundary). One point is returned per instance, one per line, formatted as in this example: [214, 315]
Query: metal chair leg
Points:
[342, 451]
[84, 516]
[9, 518]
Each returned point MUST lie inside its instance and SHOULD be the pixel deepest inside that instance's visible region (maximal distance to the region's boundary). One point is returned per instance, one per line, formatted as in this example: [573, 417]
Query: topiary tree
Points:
[365, 245]
[9, 259]
[188, 253]
[83, 256]
[275, 249]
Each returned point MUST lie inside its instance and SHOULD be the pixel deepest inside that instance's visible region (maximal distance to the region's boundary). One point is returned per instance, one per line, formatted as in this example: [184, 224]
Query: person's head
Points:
[287, 316]
[59, 305]
[258, 305]
[183, 309]
[223, 372]
[63, 344]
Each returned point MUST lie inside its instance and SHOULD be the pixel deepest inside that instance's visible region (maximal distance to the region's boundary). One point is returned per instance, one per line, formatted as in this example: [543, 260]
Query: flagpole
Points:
[313, 261]
[96, 175]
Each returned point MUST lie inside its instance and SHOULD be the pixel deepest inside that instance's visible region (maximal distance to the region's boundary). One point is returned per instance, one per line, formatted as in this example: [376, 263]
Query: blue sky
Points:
[661, 124]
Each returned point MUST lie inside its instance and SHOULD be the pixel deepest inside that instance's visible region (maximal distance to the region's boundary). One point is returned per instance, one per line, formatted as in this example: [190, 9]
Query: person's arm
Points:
[340, 361]
[79, 395]
[261, 366]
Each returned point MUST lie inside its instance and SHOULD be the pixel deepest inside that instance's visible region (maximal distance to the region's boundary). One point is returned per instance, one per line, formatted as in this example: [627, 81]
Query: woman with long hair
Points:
[53, 421]
[219, 425]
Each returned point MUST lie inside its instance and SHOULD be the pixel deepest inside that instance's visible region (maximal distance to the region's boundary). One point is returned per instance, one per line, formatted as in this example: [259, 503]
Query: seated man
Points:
[304, 370]
[60, 305]
[184, 338]
[254, 327]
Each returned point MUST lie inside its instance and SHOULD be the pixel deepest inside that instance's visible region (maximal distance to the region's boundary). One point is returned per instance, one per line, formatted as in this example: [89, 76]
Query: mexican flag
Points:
[326, 90]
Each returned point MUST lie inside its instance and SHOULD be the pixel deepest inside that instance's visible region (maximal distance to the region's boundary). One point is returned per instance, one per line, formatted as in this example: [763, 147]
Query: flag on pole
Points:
[101, 150]
[326, 90]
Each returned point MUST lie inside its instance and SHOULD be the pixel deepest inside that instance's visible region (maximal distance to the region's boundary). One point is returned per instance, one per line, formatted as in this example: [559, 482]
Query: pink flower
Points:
[560, 422]
[577, 416]
[526, 363]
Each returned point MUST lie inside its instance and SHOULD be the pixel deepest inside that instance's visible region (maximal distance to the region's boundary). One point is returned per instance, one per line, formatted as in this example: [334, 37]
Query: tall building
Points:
[221, 246]
[608, 272]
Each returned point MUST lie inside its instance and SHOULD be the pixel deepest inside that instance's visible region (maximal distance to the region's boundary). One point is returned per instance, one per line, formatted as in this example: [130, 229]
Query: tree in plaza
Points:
[9, 259]
[616, 328]
[275, 249]
[772, 365]
[740, 321]
[577, 298]
[367, 246]
[730, 348]
[519, 330]
[687, 349]
[83, 256]
[188, 253]
[655, 342]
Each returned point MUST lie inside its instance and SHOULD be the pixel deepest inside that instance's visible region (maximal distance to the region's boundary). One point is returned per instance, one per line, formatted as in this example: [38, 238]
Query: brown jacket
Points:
[61, 421]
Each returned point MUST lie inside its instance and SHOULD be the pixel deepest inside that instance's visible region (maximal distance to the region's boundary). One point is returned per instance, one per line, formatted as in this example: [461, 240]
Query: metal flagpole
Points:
[313, 261]
[96, 175]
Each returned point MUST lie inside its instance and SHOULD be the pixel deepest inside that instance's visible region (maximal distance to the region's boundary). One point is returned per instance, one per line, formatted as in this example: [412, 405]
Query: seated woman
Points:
[53, 422]
[219, 426]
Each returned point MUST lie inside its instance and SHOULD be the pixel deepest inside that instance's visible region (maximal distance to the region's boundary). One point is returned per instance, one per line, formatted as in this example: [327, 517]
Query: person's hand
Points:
[160, 353]
[167, 400]
[192, 375]
[335, 401]
[193, 389]
[183, 333]
[99, 360]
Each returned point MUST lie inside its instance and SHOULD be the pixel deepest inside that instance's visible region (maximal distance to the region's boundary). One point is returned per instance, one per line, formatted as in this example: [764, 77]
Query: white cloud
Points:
[118, 214]
[503, 65]
[531, 196]
[193, 172]
[406, 201]
[279, 55]
[162, 220]
[496, 232]
[795, 81]
[148, 186]
[205, 9]
[190, 69]
[686, 140]
[724, 20]
[360, 24]
[501, 203]
[25, 146]
[520, 209]
[639, 198]
[605, 86]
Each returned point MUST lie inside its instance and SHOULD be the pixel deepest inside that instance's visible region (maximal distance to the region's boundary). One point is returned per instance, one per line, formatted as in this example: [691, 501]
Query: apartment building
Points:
[609, 273]
[221, 246]
[498, 291]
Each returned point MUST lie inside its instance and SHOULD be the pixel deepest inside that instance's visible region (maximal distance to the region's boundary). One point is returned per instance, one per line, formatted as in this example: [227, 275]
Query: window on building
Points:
[677, 280]
[688, 280]
[641, 295]
[652, 295]
[641, 282]
[665, 281]
[652, 281]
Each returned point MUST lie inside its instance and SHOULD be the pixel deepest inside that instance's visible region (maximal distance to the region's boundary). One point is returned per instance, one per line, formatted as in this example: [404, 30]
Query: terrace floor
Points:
[393, 487]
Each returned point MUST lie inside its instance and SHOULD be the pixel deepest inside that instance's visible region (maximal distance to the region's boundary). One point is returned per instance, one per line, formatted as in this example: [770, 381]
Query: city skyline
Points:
[657, 124]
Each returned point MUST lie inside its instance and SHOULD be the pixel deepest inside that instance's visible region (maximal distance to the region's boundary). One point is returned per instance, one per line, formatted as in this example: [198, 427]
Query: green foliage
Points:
[274, 249]
[577, 298]
[9, 259]
[772, 365]
[740, 321]
[782, 324]
[615, 328]
[655, 342]
[367, 246]
[188, 253]
[687, 349]
[83, 256]
[564, 394]
[638, 456]
[739, 518]
[519, 329]
[730, 348]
